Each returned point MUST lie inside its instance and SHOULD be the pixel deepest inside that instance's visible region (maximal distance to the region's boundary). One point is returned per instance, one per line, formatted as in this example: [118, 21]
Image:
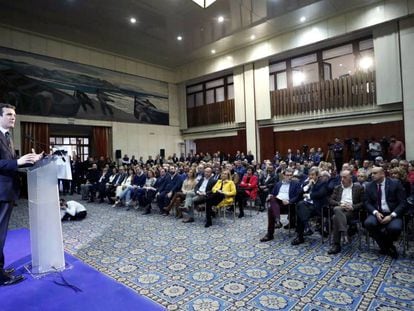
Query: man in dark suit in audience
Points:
[9, 183]
[284, 193]
[385, 201]
[346, 201]
[315, 199]
[199, 196]
[171, 186]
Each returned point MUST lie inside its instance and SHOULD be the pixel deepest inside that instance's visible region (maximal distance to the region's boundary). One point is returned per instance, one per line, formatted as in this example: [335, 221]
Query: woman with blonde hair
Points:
[179, 197]
[222, 195]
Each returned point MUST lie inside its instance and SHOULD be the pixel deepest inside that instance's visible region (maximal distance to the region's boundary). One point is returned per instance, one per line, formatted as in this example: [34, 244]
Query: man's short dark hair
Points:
[4, 105]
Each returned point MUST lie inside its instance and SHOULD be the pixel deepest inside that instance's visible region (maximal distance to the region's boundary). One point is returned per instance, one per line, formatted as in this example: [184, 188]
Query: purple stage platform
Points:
[97, 291]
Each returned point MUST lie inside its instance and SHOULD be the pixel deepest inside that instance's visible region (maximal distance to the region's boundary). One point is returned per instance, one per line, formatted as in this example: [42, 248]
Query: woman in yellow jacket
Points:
[222, 194]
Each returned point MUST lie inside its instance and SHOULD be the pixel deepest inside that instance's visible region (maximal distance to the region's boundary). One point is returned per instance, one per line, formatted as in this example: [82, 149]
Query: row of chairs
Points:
[252, 206]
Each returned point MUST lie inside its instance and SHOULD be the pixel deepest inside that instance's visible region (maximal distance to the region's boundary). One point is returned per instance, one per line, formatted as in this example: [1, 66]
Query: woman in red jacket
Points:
[247, 190]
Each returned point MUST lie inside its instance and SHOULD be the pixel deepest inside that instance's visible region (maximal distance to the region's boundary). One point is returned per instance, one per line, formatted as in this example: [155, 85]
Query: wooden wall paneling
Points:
[321, 137]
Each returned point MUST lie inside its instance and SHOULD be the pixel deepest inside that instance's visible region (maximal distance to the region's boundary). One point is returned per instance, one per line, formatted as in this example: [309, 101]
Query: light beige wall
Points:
[329, 28]
[250, 104]
[387, 73]
[407, 62]
[138, 139]
[43, 45]
[262, 90]
[239, 97]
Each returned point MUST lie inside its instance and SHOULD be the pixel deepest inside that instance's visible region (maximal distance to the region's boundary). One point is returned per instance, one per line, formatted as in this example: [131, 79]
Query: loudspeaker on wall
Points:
[118, 154]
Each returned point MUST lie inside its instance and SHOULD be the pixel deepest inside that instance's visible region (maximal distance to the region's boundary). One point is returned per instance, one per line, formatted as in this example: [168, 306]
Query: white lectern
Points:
[44, 213]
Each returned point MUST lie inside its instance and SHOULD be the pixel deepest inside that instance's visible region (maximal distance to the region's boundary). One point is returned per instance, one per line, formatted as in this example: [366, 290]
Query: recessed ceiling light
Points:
[252, 37]
[229, 57]
[340, 65]
[179, 38]
[220, 19]
[132, 20]
[213, 51]
[302, 19]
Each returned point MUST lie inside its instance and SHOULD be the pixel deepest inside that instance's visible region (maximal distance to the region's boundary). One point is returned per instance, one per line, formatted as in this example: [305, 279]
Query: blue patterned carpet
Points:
[225, 267]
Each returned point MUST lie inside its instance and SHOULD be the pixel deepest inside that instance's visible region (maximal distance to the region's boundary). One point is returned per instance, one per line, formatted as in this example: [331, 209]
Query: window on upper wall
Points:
[305, 70]
[338, 62]
[366, 55]
[278, 76]
[210, 92]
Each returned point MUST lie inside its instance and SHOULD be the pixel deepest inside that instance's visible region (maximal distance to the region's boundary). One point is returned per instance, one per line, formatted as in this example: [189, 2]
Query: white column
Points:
[250, 106]
[407, 65]
[262, 89]
[238, 79]
[182, 105]
[387, 64]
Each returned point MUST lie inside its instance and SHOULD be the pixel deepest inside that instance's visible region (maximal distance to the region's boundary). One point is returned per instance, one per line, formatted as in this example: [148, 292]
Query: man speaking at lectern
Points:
[9, 183]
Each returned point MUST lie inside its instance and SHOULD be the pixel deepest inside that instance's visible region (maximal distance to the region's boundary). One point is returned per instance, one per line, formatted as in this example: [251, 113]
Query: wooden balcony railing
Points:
[217, 113]
[353, 91]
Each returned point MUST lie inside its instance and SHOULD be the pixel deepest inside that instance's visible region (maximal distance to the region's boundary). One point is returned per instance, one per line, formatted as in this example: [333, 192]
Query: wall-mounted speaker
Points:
[162, 153]
[118, 154]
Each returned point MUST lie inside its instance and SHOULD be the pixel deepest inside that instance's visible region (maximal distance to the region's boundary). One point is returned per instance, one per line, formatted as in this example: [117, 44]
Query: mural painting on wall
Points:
[51, 87]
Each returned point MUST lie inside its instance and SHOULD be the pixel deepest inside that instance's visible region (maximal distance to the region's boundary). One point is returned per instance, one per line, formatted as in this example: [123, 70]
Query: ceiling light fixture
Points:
[213, 51]
[220, 19]
[252, 37]
[179, 38]
[132, 20]
[302, 19]
[204, 3]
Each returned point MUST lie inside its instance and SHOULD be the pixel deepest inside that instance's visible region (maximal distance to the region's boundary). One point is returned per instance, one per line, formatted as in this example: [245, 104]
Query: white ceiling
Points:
[104, 24]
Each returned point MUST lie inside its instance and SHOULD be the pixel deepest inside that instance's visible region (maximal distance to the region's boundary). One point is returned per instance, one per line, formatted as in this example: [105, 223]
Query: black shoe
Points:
[352, 230]
[101, 200]
[188, 220]
[383, 251]
[261, 209]
[287, 226]
[278, 225]
[335, 249]
[230, 209]
[8, 271]
[392, 252]
[241, 215]
[11, 280]
[208, 224]
[308, 232]
[146, 212]
[298, 240]
[266, 238]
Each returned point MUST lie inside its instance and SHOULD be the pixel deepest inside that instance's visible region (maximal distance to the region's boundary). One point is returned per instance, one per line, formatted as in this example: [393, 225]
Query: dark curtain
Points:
[101, 142]
[36, 136]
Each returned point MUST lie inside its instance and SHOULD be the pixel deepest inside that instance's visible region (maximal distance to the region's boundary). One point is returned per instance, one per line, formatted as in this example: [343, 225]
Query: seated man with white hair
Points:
[345, 201]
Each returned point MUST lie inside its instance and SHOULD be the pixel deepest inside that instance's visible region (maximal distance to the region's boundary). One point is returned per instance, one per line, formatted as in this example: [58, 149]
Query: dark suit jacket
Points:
[295, 190]
[394, 194]
[9, 182]
[270, 182]
[319, 194]
[171, 184]
[357, 196]
[210, 185]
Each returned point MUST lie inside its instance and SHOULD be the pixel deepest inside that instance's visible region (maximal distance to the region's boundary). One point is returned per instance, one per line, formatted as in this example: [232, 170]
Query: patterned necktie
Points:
[379, 197]
[9, 142]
